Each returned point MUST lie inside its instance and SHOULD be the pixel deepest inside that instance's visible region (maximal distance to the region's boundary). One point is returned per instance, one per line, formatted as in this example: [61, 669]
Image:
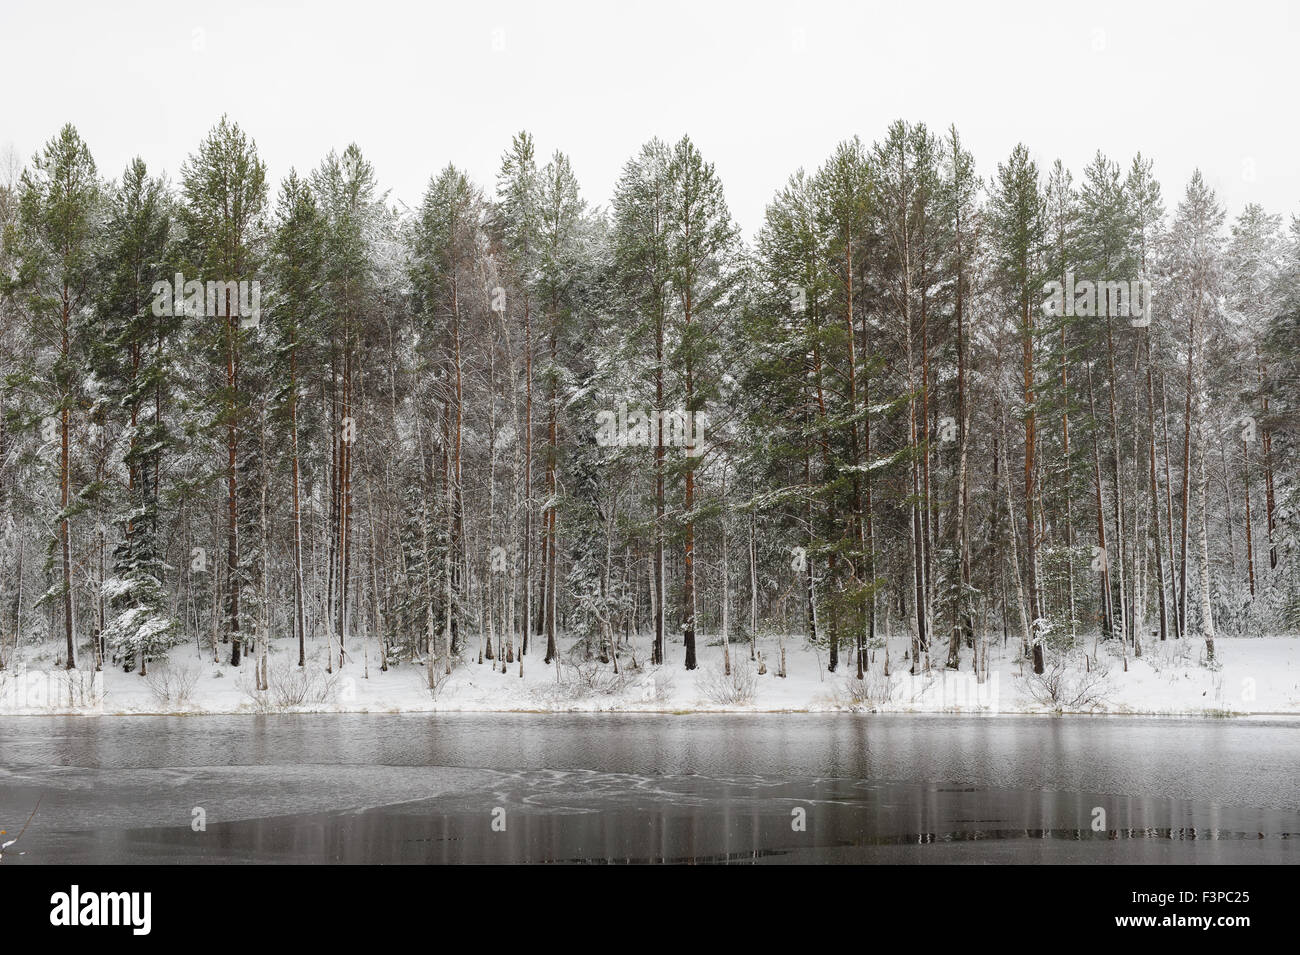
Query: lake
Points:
[418, 788]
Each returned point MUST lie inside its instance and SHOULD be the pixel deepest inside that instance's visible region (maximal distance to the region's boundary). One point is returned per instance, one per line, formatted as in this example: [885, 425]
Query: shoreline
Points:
[715, 711]
[1255, 677]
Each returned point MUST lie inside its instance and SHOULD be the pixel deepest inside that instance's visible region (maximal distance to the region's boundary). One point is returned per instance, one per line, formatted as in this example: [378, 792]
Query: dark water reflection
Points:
[506, 788]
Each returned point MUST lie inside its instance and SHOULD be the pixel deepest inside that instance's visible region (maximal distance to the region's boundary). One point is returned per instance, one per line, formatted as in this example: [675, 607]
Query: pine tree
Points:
[790, 333]
[225, 192]
[961, 188]
[1105, 252]
[1017, 224]
[1254, 295]
[641, 261]
[446, 241]
[560, 212]
[843, 188]
[703, 250]
[516, 222]
[1194, 278]
[55, 244]
[1147, 211]
[297, 264]
[345, 190]
[906, 206]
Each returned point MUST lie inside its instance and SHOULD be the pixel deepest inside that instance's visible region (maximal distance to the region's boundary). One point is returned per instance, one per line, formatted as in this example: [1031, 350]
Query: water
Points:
[606, 788]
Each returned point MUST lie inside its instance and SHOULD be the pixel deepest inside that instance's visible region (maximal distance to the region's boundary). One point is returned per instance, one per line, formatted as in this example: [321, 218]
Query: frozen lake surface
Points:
[416, 788]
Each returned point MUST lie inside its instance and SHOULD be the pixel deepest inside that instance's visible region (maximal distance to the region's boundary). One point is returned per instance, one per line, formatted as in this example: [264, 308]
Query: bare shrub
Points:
[1070, 682]
[1169, 654]
[292, 685]
[735, 689]
[593, 678]
[869, 692]
[582, 680]
[437, 673]
[173, 684]
[83, 689]
[246, 680]
[289, 686]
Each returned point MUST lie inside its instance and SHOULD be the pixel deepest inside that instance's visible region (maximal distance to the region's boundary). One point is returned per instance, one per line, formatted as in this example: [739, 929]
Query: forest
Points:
[929, 408]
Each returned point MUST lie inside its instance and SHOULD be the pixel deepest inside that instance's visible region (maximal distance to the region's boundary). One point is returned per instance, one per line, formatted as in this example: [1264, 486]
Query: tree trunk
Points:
[1157, 539]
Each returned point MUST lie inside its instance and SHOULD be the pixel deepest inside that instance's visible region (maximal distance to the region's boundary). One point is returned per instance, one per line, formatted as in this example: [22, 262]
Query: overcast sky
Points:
[762, 88]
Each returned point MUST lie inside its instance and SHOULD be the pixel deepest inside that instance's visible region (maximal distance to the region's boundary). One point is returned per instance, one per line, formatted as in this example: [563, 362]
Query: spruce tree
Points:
[132, 361]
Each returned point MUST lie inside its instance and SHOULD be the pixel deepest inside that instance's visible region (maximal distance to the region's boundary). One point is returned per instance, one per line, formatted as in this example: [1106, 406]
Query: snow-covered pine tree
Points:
[224, 190]
[54, 245]
[131, 362]
[704, 267]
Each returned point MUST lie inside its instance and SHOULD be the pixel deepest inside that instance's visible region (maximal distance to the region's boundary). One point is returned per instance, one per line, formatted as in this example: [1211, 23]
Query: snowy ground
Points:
[1250, 676]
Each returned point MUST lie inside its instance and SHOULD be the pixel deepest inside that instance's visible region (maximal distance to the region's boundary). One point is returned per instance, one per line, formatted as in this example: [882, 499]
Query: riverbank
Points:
[1259, 676]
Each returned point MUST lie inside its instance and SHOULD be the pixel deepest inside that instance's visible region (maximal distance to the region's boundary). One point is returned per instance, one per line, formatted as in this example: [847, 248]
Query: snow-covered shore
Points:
[1250, 677]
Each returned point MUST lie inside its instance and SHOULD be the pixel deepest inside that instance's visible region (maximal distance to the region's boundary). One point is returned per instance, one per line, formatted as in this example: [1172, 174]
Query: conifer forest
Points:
[937, 405]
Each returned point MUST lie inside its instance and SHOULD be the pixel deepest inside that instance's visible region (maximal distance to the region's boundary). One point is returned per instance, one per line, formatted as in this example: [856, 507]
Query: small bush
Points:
[871, 691]
[289, 686]
[582, 680]
[439, 674]
[1070, 682]
[292, 685]
[736, 689]
[172, 684]
[592, 678]
[1168, 654]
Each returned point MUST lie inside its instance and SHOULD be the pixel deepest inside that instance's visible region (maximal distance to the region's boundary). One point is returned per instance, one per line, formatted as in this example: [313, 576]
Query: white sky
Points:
[762, 87]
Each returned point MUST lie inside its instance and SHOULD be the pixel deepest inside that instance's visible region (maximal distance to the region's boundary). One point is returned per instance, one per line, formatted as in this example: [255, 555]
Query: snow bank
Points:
[1249, 677]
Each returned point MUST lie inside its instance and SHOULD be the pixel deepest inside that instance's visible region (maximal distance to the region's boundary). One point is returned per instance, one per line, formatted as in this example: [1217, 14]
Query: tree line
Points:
[923, 403]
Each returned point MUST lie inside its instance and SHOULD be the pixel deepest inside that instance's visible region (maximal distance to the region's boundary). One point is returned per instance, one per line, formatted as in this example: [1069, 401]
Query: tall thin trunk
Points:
[855, 459]
[1117, 495]
[233, 581]
[299, 596]
[832, 564]
[963, 625]
[1031, 419]
[1250, 536]
[688, 557]
[65, 497]
[657, 655]
[1207, 608]
[1012, 535]
[753, 583]
[1187, 464]
[552, 452]
[1157, 540]
[1107, 611]
[809, 582]
[1266, 437]
[1169, 507]
[527, 629]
